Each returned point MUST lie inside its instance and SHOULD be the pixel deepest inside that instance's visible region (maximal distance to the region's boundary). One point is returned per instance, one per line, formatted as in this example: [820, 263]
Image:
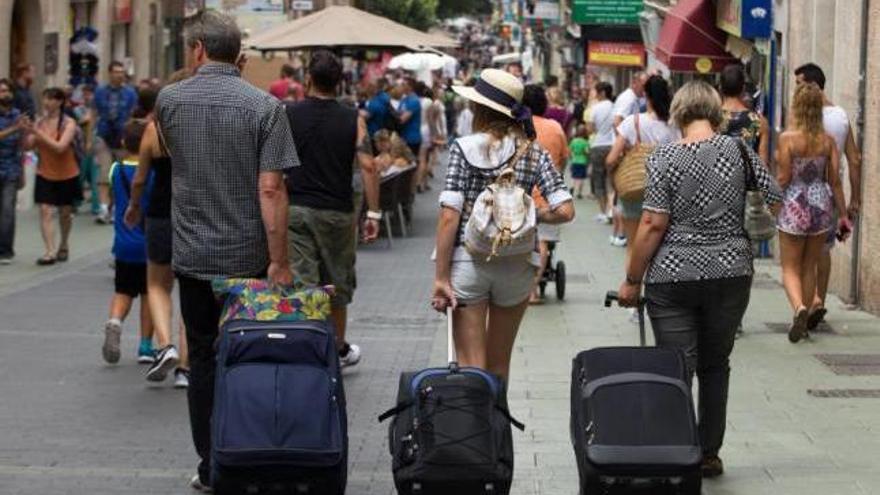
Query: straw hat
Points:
[496, 89]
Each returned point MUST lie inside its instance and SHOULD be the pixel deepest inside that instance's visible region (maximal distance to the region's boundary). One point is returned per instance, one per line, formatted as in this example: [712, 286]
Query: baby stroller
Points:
[553, 273]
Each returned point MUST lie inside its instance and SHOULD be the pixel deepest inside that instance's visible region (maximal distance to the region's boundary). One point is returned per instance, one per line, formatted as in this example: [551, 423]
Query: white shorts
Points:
[548, 232]
[502, 282]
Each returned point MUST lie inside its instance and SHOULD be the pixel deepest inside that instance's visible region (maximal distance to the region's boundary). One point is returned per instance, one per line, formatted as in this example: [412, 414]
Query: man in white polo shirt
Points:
[836, 124]
[628, 102]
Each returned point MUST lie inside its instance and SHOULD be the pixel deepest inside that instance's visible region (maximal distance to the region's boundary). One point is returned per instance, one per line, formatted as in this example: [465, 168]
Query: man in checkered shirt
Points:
[229, 143]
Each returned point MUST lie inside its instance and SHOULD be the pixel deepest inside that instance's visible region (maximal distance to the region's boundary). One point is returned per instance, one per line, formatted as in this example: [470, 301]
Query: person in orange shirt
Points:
[552, 138]
[57, 185]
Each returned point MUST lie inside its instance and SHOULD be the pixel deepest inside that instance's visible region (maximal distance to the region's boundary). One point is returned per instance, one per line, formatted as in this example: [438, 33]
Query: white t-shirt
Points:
[626, 104]
[464, 124]
[603, 121]
[651, 130]
[836, 123]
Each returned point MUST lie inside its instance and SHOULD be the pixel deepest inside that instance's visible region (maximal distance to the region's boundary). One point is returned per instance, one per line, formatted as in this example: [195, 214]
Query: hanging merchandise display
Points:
[84, 57]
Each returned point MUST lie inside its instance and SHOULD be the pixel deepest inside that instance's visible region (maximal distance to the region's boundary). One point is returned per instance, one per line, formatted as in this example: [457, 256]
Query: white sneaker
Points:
[351, 356]
[619, 241]
[612, 239]
[196, 484]
[110, 349]
[6, 260]
[181, 378]
[601, 218]
[166, 360]
[634, 316]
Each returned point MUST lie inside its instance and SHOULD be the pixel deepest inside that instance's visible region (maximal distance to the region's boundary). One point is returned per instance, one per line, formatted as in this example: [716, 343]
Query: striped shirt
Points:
[221, 132]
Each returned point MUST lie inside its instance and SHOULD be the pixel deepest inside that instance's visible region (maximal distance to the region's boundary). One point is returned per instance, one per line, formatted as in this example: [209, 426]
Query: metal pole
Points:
[860, 143]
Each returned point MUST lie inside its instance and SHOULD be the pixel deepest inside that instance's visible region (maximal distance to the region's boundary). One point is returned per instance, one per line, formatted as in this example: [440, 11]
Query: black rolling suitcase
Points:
[450, 433]
[632, 420]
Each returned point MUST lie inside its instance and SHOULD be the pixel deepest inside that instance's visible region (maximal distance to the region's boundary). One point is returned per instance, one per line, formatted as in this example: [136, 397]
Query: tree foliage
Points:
[455, 8]
[418, 14]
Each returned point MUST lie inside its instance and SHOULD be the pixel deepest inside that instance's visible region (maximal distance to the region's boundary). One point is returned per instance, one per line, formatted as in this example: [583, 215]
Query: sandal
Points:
[46, 261]
[712, 467]
[798, 328]
[816, 317]
[62, 255]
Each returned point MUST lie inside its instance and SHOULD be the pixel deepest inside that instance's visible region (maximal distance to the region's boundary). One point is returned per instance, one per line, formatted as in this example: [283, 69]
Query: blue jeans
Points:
[8, 197]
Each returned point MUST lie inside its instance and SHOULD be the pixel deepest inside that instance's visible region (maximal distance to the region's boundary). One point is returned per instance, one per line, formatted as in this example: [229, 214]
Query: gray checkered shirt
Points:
[221, 133]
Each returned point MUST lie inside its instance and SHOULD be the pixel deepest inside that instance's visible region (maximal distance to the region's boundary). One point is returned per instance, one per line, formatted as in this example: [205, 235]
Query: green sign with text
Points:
[606, 11]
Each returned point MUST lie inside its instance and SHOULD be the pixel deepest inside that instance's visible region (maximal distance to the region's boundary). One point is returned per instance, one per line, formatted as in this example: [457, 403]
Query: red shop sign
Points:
[122, 11]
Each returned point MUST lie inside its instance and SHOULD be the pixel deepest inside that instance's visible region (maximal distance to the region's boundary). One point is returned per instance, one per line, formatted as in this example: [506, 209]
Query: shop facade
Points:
[611, 39]
[141, 34]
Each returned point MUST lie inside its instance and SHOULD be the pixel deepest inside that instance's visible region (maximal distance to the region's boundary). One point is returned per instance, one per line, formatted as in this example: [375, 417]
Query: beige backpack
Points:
[503, 221]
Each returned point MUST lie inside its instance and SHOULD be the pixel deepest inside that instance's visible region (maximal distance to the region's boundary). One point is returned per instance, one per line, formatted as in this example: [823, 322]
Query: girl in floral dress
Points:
[808, 162]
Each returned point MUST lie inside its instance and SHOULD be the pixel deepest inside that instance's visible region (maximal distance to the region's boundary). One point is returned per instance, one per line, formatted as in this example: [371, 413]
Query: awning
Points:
[344, 26]
[690, 41]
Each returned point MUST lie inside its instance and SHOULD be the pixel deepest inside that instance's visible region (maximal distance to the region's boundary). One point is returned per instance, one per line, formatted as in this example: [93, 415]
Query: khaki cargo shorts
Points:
[322, 250]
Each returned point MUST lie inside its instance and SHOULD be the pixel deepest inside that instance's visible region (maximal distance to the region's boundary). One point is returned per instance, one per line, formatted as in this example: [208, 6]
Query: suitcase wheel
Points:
[593, 486]
[691, 484]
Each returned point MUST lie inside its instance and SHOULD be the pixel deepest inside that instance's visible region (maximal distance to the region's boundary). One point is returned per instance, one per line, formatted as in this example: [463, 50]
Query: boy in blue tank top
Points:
[129, 254]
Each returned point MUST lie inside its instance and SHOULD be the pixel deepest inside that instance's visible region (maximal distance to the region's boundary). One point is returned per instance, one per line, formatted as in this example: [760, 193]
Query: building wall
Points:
[828, 33]
[869, 266]
[142, 43]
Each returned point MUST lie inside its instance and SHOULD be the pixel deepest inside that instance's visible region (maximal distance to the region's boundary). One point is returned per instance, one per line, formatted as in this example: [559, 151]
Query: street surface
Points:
[69, 424]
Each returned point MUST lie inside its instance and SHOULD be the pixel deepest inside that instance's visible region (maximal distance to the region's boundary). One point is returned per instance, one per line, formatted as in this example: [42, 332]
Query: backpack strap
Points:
[509, 169]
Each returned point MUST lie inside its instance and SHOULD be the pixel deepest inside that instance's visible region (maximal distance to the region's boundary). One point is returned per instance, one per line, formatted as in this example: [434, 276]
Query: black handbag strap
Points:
[751, 178]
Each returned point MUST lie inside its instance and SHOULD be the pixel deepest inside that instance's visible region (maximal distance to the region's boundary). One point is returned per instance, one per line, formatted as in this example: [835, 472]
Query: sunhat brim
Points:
[468, 92]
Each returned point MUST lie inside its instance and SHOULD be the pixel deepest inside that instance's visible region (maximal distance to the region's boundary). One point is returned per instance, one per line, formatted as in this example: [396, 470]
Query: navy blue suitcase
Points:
[279, 422]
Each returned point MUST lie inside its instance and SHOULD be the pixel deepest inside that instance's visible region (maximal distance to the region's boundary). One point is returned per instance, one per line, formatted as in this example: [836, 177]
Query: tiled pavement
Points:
[780, 440]
[70, 425]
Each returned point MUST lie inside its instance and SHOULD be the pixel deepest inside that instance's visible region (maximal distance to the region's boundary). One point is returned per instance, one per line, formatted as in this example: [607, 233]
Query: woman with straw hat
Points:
[490, 297]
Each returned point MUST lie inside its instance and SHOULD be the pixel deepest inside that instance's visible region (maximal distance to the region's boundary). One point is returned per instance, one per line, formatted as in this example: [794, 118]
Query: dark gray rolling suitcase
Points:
[450, 433]
[632, 420]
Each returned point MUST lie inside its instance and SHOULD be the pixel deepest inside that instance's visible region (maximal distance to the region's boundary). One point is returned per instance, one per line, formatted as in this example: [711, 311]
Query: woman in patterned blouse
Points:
[698, 259]
[740, 120]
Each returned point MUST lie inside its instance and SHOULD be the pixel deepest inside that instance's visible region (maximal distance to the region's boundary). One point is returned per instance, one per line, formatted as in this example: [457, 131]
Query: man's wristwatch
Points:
[374, 215]
[633, 281]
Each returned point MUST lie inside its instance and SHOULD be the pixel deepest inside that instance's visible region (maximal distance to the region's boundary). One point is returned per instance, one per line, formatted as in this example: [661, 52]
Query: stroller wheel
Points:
[560, 280]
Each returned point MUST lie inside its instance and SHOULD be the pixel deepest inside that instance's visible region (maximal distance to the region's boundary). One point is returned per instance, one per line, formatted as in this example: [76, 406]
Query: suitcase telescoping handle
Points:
[452, 358]
[612, 296]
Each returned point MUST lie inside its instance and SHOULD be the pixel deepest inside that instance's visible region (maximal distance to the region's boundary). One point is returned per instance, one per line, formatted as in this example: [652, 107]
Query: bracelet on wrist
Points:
[374, 215]
[633, 281]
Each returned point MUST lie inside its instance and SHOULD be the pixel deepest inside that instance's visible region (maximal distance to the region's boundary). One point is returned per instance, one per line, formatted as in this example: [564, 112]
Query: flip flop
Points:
[46, 261]
[62, 255]
[798, 326]
[816, 317]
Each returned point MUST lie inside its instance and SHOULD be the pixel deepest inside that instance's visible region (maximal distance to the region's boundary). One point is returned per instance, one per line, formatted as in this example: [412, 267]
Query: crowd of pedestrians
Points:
[209, 177]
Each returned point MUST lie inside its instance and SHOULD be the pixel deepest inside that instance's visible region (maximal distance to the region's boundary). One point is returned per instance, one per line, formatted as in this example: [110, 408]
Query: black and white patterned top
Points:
[702, 187]
[470, 170]
[221, 132]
